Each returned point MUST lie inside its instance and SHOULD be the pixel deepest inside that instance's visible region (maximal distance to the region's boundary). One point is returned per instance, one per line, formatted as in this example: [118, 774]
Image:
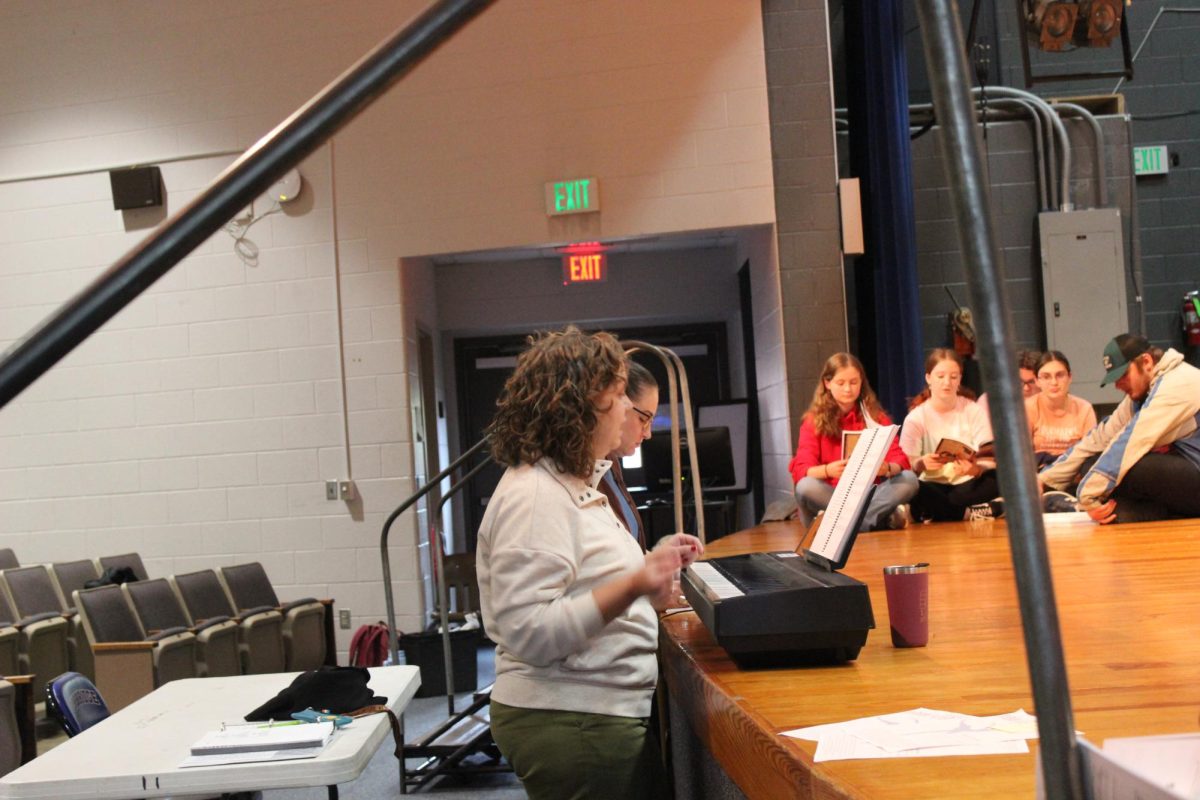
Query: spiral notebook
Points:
[837, 527]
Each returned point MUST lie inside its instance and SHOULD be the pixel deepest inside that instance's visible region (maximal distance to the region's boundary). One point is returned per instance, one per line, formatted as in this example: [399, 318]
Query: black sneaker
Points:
[1059, 503]
[997, 507]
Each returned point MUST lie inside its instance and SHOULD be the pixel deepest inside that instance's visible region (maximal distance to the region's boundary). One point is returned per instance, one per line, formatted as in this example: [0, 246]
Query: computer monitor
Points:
[735, 415]
[713, 452]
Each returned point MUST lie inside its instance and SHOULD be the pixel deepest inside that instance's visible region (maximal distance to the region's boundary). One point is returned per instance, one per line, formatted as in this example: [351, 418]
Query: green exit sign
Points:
[575, 196]
[1150, 160]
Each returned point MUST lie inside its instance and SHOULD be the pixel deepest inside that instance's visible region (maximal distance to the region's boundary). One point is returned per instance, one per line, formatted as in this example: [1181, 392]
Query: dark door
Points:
[483, 365]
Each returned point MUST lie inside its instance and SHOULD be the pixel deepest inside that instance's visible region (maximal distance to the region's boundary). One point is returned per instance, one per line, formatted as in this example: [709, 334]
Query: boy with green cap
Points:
[1142, 462]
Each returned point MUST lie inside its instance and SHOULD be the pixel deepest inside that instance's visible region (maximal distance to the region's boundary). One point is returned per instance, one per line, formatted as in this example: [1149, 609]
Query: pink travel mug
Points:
[907, 588]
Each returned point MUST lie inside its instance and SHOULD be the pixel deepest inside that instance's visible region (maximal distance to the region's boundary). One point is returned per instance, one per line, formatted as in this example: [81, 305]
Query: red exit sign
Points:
[584, 268]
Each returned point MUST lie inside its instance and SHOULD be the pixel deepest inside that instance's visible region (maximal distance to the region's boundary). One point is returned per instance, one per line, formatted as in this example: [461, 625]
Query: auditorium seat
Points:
[121, 646]
[10, 640]
[131, 560]
[37, 612]
[303, 620]
[10, 734]
[158, 609]
[8, 559]
[260, 634]
[72, 576]
[53, 597]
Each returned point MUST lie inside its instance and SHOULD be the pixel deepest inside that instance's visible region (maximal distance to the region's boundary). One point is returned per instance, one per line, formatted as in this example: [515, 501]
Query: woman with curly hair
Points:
[844, 401]
[567, 594]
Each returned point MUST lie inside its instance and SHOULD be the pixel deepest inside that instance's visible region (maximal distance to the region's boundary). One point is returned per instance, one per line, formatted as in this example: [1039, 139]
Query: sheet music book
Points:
[839, 524]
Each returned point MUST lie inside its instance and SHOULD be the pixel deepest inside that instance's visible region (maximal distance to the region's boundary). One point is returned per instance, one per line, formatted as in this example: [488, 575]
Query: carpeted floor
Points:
[381, 779]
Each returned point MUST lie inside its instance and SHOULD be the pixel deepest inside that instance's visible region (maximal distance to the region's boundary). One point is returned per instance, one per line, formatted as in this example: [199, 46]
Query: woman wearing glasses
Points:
[843, 401]
[567, 594]
[1057, 419]
[642, 391]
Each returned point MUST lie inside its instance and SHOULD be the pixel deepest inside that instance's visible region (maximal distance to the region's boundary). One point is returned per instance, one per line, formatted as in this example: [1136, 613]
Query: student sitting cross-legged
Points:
[844, 401]
[942, 434]
[1141, 463]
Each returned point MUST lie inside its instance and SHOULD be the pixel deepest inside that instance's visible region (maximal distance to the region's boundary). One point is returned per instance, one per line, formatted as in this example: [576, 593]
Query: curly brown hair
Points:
[546, 409]
[823, 411]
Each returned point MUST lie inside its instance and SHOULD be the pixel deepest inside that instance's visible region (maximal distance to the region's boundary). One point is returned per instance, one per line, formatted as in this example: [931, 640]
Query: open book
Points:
[952, 448]
[849, 439]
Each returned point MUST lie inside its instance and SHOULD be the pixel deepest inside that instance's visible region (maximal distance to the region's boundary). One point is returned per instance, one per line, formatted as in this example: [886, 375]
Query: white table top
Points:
[137, 751]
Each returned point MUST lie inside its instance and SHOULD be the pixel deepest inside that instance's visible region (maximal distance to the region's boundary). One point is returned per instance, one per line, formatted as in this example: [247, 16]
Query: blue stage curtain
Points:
[889, 318]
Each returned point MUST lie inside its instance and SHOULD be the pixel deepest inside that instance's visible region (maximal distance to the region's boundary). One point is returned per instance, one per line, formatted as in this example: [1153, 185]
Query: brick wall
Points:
[198, 425]
[811, 286]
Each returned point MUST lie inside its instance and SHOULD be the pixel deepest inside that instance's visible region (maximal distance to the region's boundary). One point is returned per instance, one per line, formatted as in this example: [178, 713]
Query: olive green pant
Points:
[569, 755]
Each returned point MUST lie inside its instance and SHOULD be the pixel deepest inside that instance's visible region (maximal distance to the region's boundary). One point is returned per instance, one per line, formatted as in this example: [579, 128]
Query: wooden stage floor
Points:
[1129, 607]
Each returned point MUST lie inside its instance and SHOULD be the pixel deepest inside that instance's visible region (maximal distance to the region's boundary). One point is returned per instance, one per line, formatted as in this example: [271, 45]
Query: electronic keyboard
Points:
[768, 609]
[795, 607]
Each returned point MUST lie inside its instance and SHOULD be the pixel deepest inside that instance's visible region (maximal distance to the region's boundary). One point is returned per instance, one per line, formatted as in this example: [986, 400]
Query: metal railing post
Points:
[1035, 588]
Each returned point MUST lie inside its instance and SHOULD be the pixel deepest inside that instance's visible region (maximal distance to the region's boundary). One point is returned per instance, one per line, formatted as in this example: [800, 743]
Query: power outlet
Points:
[344, 618]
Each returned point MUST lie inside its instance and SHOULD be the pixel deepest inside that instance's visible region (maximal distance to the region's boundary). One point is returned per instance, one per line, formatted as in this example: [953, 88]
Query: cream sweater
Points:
[547, 539]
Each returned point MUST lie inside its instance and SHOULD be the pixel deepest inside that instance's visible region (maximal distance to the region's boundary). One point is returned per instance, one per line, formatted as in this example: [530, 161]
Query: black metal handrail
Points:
[234, 189]
[439, 561]
[385, 556]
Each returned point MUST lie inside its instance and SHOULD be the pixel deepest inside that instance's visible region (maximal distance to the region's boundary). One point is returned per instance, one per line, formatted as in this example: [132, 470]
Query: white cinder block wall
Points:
[197, 426]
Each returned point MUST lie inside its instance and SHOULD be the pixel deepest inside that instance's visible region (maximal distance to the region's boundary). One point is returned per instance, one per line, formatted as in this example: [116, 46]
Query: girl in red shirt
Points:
[844, 401]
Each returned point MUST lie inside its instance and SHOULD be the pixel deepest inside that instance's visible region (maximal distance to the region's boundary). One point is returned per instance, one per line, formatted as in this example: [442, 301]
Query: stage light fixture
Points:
[1055, 23]
[1064, 26]
[1103, 21]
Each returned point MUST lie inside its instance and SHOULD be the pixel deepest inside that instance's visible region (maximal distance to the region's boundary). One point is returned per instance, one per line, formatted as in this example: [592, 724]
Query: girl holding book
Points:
[844, 402]
[942, 436]
[1057, 418]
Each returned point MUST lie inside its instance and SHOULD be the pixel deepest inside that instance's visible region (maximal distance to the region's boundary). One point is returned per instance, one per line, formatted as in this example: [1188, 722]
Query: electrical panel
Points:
[1083, 280]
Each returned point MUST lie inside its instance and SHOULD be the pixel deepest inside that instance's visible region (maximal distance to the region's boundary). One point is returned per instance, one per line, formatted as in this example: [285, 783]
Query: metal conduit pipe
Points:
[1047, 167]
[1135, 235]
[1101, 176]
[1059, 128]
[1045, 188]
[942, 39]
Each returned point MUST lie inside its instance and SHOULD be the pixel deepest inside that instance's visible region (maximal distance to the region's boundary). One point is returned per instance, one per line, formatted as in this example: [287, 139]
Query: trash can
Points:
[424, 650]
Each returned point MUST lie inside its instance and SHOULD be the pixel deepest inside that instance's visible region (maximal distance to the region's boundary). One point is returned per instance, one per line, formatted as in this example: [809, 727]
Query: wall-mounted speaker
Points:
[136, 187]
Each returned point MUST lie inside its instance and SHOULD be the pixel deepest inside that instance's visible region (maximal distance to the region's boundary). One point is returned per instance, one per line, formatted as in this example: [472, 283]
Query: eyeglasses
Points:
[645, 416]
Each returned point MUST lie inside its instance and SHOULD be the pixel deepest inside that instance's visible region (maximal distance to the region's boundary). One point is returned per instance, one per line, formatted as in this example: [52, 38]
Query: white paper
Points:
[1171, 763]
[921, 732]
[844, 745]
[1068, 518]
[837, 523]
[1109, 778]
